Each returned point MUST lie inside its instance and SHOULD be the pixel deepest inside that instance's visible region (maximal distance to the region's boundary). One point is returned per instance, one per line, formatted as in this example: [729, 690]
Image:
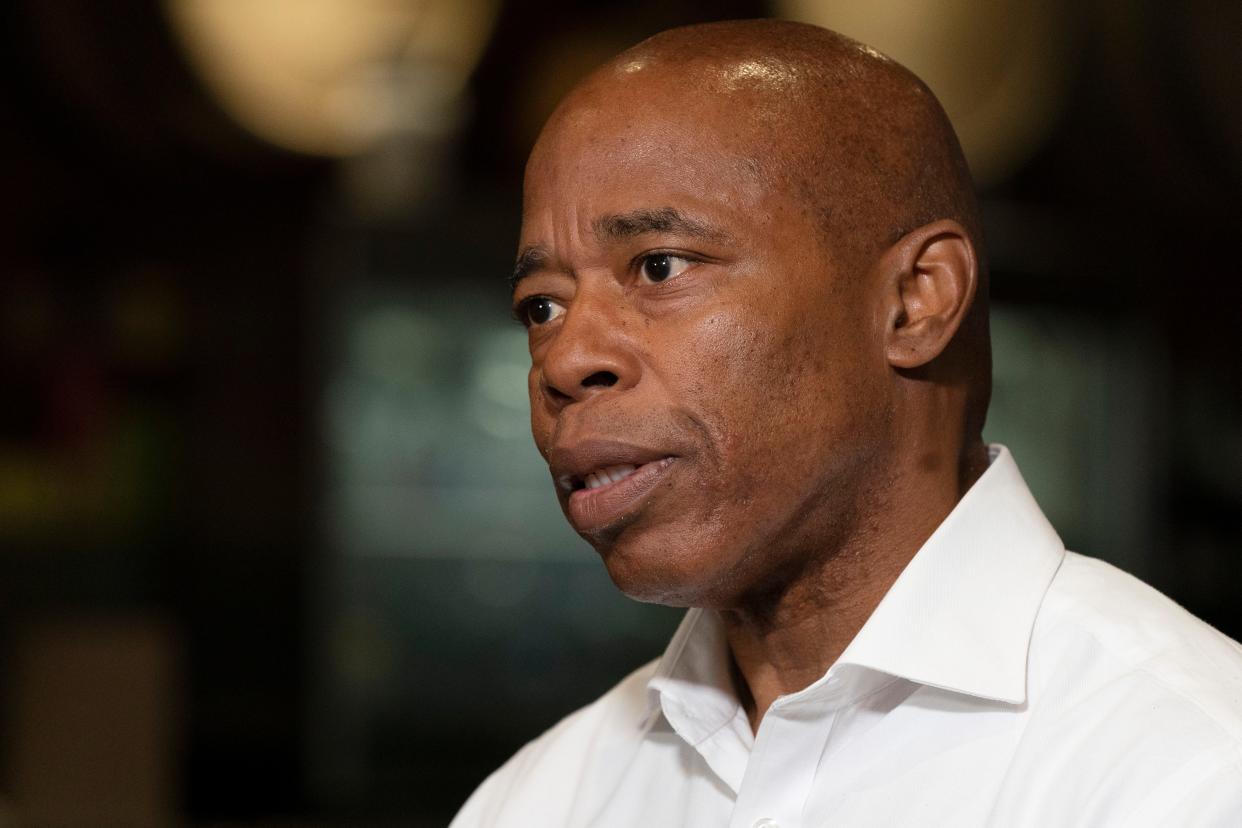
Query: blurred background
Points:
[275, 548]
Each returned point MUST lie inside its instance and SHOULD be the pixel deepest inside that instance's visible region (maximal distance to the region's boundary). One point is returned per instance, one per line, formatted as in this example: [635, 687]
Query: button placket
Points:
[781, 771]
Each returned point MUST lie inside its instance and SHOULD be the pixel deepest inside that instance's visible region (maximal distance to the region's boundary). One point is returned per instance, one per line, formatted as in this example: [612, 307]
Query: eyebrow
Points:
[620, 227]
[528, 261]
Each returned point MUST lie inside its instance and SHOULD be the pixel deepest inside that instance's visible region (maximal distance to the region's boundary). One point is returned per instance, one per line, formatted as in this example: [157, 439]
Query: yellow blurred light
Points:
[330, 77]
[999, 67]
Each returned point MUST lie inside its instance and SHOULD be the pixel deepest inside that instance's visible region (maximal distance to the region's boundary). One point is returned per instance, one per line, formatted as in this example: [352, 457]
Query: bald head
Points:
[859, 141]
[856, 135]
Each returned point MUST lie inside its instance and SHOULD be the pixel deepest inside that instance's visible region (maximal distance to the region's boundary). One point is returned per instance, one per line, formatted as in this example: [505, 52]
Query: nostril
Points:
[603, 379]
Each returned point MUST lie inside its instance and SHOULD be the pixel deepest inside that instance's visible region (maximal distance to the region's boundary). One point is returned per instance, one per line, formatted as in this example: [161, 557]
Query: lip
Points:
[572, 462]
[593, 509]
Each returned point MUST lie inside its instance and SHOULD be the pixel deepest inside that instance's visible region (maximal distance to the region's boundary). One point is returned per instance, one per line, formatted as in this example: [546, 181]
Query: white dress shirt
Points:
[1002, 681]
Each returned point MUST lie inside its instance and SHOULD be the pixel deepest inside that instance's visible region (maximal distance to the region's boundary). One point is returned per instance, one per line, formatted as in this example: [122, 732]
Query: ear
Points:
[933, 274]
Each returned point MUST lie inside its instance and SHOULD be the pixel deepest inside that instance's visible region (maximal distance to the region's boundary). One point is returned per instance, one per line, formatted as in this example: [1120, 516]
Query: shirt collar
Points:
[960, 614]
[958, 617]
[694, 677]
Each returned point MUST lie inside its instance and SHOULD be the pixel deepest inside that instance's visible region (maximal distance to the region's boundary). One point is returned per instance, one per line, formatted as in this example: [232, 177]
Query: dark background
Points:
[273, 546]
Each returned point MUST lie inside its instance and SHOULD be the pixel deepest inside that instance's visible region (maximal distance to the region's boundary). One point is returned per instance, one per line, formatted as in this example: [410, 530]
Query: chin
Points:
[661, 568]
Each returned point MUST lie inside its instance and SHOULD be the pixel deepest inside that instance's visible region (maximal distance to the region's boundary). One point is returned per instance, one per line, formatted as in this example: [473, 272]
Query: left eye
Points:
[657, 267]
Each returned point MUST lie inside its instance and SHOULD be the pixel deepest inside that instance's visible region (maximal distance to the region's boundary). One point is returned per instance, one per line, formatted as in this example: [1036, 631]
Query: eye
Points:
[537, 310]
[657, 267]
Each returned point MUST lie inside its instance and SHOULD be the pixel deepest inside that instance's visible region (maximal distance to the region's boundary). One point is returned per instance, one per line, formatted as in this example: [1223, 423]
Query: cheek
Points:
[775, 387]
[723, 372]
[541, 421]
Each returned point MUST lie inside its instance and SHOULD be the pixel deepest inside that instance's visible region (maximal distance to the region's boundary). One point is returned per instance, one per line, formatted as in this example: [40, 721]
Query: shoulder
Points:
[1134, 707]
[533, 783]
[1130, 630]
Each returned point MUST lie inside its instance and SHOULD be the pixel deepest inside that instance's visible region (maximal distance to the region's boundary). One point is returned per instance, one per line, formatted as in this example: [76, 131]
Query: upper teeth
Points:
[603, 477]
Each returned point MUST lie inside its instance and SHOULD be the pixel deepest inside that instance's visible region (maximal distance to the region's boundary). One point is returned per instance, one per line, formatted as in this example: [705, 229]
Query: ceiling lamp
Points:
[999, 67]
[334, 77]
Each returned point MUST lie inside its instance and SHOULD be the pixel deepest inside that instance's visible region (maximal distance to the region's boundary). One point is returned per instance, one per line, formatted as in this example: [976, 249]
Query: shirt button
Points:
[765, 823]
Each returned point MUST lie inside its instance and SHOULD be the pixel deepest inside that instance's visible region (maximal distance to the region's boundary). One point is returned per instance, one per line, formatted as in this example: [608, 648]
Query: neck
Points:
[783, 642]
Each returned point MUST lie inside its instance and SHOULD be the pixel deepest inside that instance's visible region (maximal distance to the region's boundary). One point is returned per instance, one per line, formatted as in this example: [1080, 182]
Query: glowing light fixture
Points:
[999, 67]
[334, 77]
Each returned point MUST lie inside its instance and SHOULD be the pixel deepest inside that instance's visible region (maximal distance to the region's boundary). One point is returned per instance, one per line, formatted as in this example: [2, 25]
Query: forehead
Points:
[624, 146]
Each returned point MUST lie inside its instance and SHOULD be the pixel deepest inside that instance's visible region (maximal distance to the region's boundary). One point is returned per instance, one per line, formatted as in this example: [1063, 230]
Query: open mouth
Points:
[610, 493]
[602, 477]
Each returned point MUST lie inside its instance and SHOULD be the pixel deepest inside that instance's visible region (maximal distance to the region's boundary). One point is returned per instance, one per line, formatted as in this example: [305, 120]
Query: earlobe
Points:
[934, 279]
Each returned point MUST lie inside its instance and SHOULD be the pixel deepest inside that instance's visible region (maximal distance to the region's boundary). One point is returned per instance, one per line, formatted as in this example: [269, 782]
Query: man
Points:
[750, 267]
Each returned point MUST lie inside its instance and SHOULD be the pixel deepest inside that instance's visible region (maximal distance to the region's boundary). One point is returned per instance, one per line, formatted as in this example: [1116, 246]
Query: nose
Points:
[591, 354]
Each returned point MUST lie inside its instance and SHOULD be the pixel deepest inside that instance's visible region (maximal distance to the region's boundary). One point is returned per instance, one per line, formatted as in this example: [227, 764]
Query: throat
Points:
[744, 696]
[792, 641]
